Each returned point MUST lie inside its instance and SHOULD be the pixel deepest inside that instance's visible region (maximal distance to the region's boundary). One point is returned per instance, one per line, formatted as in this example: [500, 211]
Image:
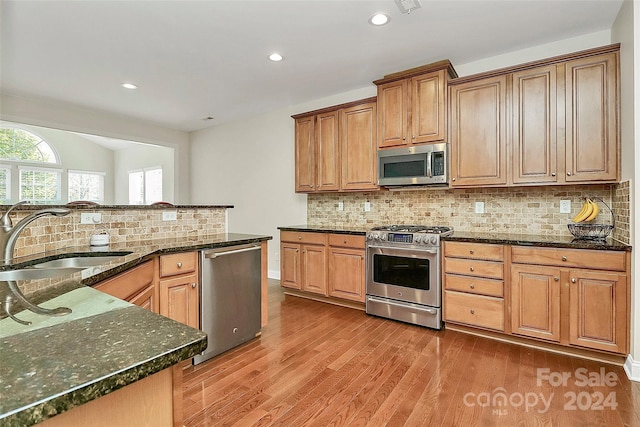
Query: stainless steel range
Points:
[403, 273]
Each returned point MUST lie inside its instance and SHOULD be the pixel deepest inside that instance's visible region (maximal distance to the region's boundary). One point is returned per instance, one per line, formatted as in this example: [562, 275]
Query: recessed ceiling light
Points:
[129, 86]
[275, 57]
[379, 19]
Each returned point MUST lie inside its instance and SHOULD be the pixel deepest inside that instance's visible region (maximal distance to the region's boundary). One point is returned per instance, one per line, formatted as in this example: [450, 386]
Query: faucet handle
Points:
[6, 220]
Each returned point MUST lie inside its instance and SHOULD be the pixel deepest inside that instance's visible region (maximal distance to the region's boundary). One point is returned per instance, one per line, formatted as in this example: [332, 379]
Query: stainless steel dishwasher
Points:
[230, 310]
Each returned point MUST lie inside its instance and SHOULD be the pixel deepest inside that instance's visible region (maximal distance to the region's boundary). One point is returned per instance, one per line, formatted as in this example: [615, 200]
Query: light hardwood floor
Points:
[322, 365]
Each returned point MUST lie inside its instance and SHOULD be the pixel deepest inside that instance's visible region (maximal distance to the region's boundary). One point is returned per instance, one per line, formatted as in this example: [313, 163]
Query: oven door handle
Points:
[421, 250]
[395, 304]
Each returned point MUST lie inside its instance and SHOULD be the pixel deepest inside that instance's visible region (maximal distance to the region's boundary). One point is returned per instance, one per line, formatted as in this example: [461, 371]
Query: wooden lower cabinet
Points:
[477, 310]
[331, 265]
[180, 288]
[598, 316]
[535, 302]
[179, 299]
[346, 273]
[137, 286]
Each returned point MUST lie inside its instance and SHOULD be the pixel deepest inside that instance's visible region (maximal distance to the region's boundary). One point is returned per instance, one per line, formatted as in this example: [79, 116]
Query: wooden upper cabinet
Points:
[479, 132]
[592, 139]
[428, 108]
[305, 154]
[336, 148]
[412, 106]
[392, 114]
[534, 127]
[358, 147]
[328, 152]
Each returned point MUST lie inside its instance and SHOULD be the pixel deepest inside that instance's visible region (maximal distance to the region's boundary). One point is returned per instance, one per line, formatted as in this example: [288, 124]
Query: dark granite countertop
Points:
[91, 206]
[487, 237]
[537, 240]
[57, 363]
[356, 231]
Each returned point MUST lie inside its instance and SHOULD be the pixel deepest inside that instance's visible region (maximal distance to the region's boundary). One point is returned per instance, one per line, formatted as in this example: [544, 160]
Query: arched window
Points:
[35, 164]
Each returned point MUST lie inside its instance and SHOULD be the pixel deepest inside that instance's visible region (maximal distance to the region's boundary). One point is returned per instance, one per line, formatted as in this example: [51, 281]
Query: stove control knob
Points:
[376, 236]
[434, 240]
[383, 237]
[418, 239]
[369, 236]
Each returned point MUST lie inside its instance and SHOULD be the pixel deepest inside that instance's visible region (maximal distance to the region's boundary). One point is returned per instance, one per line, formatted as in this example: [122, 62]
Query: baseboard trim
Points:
[274, 274]
[328, 300]
[632, 368]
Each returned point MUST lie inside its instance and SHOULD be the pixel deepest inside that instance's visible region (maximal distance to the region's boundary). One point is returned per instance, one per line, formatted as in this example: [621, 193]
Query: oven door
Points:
[410, 275]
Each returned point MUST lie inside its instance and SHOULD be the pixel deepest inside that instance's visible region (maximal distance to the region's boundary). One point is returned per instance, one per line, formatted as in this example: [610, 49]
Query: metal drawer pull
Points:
[473, 311]
[556, 278]
[471, 268]
[564, 258]
[193, 285]
[212, 254]
[428, 310]
[472, 286]
[299, 237]
[179, 265]
[471, 251]
[573, 280]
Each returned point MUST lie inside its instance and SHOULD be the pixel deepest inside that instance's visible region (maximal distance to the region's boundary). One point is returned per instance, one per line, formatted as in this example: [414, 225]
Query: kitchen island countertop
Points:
[58, 363]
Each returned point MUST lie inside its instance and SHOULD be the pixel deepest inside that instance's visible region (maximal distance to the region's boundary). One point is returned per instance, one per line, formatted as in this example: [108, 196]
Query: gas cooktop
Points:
[414, 229]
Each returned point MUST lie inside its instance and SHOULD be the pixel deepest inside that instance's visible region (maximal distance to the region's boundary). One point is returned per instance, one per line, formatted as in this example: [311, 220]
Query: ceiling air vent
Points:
[407, 6]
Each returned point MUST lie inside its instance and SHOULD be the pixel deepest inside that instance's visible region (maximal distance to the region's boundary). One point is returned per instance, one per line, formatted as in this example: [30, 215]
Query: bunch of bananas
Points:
[588, 212]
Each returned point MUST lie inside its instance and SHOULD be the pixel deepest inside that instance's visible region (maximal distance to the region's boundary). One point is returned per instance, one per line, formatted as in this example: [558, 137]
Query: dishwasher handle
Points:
[218, 253]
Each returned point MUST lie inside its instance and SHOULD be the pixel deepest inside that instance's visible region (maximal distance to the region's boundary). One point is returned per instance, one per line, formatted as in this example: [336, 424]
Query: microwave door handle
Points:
[429, 172]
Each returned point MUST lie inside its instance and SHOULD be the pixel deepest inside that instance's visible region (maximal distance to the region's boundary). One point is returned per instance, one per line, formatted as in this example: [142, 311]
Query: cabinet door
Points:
[305, 154]
[598, 315]
[179, 299]
[346, 274]
[147, 299]
[328, 155]
[290, 265]
[357, 135]
[392, 114]
[479, 133]
[534, 134]
[535, 302]
[592, 139]
[428, 108]
[314, 269]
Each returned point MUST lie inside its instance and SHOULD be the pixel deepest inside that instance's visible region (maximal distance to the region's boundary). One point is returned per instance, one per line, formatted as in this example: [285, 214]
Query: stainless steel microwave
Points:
[419, 165]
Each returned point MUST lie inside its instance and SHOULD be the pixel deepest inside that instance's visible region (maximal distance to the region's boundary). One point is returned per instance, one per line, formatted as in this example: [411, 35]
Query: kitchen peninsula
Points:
[64, 370]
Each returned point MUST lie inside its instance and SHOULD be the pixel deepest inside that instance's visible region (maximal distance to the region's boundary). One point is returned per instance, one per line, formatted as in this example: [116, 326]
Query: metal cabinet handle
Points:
[564, 258]
[473, 311]
[193, 285]
[453, 179]
[179, 265]
[344, 241]
[472, 286]
[471, 251]
[471, 268]
[404, 138]
[568, 173]
[413, 137]
[553, 174]
[573, 280]
[556, 278]
[299, 237]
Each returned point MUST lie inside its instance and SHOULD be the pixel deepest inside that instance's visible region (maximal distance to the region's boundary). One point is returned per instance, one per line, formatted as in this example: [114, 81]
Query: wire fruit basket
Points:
[593, 231]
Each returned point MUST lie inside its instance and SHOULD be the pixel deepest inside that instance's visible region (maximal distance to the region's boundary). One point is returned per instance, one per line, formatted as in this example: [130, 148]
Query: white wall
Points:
[59, 115]
[250, 165]
[141, 156]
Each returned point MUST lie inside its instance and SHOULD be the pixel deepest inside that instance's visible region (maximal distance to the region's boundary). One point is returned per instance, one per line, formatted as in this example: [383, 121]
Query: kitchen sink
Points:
[78, 262]
[36, 273]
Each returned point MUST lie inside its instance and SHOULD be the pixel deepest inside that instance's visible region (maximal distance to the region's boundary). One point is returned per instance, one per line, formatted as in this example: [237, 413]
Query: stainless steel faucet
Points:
[9, 233]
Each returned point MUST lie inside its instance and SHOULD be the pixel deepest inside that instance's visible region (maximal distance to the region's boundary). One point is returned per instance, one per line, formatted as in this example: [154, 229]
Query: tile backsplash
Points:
[123, 225]
[528, 210]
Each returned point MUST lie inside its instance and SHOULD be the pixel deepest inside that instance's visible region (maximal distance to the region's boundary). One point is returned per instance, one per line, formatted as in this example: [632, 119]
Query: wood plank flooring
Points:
[322, 365]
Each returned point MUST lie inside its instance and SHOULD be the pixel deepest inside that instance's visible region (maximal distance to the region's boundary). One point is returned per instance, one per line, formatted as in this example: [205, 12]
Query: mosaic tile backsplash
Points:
[123, 225]
[528, 210]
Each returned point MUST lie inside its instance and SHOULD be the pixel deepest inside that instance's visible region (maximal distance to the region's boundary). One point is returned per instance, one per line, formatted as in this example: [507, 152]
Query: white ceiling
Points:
[193, 59]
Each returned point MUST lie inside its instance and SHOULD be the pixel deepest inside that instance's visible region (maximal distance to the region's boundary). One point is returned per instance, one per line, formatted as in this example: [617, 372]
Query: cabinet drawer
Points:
[474, 251]
[303, 237]
[185, 262]
[474, 285]
[475, 310]
[469, 267]
[580, 258]
[346, 241]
